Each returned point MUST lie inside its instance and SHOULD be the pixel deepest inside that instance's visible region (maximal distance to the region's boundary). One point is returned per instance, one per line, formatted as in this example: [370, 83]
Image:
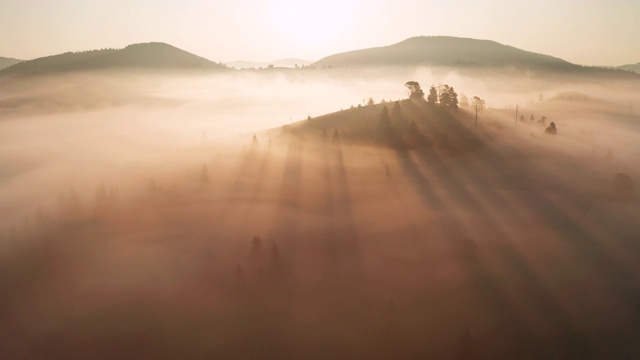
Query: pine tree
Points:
[453, 98]
[433, 95]
[444, 98]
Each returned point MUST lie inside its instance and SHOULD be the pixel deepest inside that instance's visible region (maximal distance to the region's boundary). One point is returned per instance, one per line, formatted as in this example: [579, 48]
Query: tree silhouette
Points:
[371, 102]
[453, 98]
[444, 98]
[415, 92]
[478, 105]
[433, 95]
[551, 129]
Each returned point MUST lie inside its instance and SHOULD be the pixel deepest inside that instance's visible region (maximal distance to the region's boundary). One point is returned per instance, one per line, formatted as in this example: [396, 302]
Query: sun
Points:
[314, 22]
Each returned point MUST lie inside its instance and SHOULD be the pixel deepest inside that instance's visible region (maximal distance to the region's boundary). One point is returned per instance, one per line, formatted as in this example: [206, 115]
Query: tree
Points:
[532, 118]
[415, 92]
[445, 99]
[433, 95]
[453, 98]
[551, 129]
[371, 102]
[478, 105]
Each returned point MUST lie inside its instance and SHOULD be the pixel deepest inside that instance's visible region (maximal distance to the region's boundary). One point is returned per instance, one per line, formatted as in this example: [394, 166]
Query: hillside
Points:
[6, 62]
[409, 125]
[444, 51]
[141, 56]
[460, 53]
[630, 67]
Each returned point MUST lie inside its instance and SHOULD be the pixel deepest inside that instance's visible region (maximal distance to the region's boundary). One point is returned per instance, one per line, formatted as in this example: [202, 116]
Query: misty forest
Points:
[439, 198]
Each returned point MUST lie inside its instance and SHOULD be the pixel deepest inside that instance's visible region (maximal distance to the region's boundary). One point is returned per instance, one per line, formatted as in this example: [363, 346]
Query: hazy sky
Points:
[591, 32]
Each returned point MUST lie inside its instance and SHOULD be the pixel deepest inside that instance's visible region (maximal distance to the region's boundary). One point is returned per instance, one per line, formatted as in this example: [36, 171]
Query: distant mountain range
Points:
[6, 62]
[139, 56]
[454, 52]
[436, 51]
[444, 51]
[630, 67]
[283, 63]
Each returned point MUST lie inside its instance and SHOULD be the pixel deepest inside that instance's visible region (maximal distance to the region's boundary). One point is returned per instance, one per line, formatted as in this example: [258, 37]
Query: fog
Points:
[140, 218]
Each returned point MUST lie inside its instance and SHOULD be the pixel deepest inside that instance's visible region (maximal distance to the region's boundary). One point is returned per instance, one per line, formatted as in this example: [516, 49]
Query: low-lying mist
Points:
[225, 216]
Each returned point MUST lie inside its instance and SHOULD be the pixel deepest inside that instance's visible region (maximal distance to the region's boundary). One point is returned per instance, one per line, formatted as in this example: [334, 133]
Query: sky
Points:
[588, 32]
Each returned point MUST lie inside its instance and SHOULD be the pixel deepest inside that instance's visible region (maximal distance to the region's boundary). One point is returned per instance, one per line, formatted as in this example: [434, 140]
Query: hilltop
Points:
[459, 53]
[409, 125]
[6, 62]
[140, 56]
[444, 51]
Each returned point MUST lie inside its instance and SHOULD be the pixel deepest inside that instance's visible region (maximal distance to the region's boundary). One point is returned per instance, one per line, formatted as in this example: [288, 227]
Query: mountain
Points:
[630, 67]
[282, 63]
[445, 51]
[6, 62]
[140, 56]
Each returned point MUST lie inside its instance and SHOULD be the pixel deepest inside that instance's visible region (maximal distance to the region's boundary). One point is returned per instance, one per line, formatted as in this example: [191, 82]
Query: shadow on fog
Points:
[442, 182]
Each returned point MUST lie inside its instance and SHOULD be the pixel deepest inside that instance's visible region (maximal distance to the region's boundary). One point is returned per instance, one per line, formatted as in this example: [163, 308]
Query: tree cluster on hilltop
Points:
[444, 94]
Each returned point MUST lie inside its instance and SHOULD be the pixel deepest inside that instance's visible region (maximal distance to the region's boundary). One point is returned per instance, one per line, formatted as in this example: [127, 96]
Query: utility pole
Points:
[516, 115]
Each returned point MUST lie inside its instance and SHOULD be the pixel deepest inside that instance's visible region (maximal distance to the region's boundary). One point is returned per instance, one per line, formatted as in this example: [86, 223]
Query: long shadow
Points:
[548, 308]
[286, 221]
[263, 319]
[260, 178]
[490, 293]
[588, 246]
[348, 233]
[557, 219]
